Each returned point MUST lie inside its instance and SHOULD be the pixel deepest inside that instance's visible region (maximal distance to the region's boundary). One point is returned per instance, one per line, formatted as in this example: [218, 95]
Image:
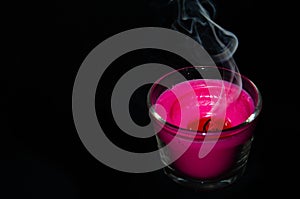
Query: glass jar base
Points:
[204, 185]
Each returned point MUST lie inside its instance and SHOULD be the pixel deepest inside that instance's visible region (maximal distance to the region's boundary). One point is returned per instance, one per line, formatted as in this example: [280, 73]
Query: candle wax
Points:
[193, 105]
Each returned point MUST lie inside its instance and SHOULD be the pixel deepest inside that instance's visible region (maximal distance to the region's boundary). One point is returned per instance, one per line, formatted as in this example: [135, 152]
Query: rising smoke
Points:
[196, 19]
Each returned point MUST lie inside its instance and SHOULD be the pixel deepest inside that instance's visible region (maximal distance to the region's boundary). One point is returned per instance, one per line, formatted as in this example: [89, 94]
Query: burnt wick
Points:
[205, 125]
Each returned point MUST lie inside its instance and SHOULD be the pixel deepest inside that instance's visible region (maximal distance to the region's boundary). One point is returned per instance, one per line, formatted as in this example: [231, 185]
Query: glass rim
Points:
[249, 120]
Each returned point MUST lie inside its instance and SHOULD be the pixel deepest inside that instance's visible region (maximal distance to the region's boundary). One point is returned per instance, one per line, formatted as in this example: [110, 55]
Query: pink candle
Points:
[178, 111]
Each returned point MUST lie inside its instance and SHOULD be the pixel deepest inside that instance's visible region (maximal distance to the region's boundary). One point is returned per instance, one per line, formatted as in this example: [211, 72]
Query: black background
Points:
[41, 153]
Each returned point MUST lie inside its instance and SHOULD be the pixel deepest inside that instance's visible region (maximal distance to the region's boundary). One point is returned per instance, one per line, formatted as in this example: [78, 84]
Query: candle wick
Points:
[205, 124]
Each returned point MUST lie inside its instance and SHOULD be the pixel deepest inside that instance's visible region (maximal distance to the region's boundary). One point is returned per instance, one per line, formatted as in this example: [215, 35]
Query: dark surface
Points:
[41, 153]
